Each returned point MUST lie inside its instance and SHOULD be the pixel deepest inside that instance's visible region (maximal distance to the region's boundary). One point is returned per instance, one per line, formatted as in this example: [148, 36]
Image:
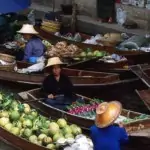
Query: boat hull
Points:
[135, 143]
[78, 77]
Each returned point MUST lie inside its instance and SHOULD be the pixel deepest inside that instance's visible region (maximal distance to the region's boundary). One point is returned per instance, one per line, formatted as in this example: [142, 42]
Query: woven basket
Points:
[51, 23]
[9, 67]
[50, 29]
[7, 58]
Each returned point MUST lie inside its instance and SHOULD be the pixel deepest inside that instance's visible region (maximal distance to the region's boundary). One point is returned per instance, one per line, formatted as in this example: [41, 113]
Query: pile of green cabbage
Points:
[20, 120]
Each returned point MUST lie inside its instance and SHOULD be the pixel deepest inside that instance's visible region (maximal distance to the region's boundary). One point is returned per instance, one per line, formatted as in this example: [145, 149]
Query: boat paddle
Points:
[25, 95]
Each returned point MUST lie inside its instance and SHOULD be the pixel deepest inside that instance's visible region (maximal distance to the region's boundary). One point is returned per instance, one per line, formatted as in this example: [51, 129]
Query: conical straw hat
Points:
[27, 29]
[107, 113]
[54, 61]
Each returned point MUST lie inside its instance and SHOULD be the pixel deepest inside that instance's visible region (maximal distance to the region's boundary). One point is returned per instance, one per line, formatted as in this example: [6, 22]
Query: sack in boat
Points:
[34, 68]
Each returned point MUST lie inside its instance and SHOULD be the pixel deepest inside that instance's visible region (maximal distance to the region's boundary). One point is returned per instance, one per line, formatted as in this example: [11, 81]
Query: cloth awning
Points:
[9, 6]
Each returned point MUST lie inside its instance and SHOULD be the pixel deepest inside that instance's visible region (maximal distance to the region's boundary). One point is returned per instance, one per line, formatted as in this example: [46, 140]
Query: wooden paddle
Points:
[137, 70]
[26, 95]
[34, 98]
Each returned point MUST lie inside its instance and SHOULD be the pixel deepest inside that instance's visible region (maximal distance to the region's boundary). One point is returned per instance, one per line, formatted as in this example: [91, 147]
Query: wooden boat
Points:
[135, 57]
[78, 77]
[136, 142]
[138, 130]
[35, 98]
[120, 68]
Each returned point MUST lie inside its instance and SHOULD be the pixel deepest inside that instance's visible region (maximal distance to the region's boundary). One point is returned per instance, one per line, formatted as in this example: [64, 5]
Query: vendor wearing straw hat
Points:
[105, 135]
[57, 86]
[34, 47]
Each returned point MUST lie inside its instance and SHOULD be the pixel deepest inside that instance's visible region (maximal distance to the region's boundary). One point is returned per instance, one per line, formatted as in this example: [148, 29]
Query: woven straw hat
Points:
[107, 113]
[27, 29]
[54, 61]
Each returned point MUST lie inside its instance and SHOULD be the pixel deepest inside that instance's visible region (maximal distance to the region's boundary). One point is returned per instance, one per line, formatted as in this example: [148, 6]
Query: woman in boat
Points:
[57, 86]
[34, 47]
[105, 134]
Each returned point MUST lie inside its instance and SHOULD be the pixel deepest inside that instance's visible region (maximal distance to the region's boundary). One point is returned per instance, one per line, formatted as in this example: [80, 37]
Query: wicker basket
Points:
[51, 23]
[50, 29]
[9, 67]
[7, 58]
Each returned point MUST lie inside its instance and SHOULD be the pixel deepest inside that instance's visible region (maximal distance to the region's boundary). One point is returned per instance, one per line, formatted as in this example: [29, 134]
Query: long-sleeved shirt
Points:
[34, 48]
[61, 87]
[108, 138]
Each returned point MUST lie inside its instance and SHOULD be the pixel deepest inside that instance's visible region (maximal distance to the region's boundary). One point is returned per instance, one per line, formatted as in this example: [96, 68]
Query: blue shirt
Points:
[34, 48]
[108, 138]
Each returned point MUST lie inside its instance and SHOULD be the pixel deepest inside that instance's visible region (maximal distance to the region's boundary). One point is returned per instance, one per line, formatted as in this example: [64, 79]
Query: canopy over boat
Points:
[9, 6]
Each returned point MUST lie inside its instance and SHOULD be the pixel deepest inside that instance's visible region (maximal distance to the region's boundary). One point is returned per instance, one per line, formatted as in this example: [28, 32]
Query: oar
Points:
[40, 99]
[26, 95]
[139, 72]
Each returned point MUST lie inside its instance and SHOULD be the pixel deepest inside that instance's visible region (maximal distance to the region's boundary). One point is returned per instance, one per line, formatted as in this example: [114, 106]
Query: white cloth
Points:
[34, 68]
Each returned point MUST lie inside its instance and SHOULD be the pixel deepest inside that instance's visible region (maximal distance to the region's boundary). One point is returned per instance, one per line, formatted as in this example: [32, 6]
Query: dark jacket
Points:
[63, 86]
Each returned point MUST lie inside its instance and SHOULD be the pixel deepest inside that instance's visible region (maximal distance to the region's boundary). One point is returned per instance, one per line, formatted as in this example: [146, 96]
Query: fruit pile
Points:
[88, 111]
[84, 110]
[62, 49]
[20, 120]
[92, 53]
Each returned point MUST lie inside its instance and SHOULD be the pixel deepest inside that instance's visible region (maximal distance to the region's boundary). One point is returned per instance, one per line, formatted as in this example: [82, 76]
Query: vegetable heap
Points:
[85, 110]
[88, 111]
[20, 120]
[89, 53]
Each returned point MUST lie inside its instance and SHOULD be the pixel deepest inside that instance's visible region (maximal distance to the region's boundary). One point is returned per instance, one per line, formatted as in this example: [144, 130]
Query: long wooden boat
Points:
[138, 130]
[133, 56]
[35, 98]
[136, 142]
[120, 68]
[78, 77]
[120, 89]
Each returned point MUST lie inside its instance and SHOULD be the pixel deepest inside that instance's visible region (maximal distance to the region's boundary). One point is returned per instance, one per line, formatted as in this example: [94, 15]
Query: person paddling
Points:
[105, 134]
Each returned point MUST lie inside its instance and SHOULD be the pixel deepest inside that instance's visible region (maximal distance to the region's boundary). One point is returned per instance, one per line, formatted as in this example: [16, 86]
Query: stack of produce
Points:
[20, 120]
[84, 110]
[95, 53]
[88, 111]
[62, 49]
[89, 53]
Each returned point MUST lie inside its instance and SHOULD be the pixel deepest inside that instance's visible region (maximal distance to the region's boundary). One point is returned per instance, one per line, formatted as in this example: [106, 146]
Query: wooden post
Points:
[145, 2]
[53, 3]
[74, 17]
